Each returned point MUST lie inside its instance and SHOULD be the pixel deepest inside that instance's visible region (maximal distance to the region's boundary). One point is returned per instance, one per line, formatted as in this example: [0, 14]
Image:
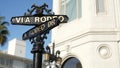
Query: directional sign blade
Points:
[39, 30]
[33, 20]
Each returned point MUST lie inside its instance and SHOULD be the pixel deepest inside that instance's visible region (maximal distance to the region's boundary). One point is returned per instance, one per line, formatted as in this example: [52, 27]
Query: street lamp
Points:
[51, 57]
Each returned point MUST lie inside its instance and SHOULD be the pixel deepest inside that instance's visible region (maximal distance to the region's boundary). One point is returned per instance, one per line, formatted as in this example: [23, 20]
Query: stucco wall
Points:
[93, 38]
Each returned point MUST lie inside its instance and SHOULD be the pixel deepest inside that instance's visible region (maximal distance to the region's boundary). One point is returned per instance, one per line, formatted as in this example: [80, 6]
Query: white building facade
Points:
[91, 38]
[17, 47]
[12, 61]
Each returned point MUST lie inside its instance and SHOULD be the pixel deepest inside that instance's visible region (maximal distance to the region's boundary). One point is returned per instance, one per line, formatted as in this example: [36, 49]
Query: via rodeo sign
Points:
[34, 20]
[42, 22]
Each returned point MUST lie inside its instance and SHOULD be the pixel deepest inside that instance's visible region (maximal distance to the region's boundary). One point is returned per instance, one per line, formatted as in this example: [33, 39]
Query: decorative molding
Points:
[67, 56]
[87, 34]
[104, 51]
[90, 42]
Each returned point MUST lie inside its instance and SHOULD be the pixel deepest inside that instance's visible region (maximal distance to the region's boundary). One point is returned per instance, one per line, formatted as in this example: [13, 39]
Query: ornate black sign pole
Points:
[43, 20]
[37, 52]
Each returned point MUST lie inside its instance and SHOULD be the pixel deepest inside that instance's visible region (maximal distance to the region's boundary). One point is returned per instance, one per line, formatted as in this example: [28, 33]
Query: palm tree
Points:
[3, 31]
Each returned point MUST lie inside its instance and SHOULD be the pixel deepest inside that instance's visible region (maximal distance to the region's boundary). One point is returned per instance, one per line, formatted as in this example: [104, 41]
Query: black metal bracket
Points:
[39, 10]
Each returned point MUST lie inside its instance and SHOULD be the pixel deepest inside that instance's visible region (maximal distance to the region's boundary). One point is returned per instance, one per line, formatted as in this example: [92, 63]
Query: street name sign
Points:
[39, 30]
[36, 20]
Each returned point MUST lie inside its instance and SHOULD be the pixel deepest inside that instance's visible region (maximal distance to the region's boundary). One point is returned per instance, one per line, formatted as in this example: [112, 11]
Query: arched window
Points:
[72, 63]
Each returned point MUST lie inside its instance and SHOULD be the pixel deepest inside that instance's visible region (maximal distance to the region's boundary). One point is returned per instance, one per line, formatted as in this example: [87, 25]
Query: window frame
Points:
[98, 8]
[77, 8]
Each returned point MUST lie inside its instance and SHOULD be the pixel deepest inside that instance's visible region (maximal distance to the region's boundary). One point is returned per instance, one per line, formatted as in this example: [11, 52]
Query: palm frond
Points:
[2, 27]
[4, 32]
[4, 23]
[3, 39]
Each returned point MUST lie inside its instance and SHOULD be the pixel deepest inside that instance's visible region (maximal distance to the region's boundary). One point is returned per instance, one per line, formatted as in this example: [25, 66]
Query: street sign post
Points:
[39, 30]
[36, 20]
[43, 24]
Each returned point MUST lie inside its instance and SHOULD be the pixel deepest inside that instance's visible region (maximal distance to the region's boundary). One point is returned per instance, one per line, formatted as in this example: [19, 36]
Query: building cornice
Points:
[79, 36]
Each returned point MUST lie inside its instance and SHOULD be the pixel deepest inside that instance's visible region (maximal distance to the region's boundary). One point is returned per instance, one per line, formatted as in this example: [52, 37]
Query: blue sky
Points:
[10, 8]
